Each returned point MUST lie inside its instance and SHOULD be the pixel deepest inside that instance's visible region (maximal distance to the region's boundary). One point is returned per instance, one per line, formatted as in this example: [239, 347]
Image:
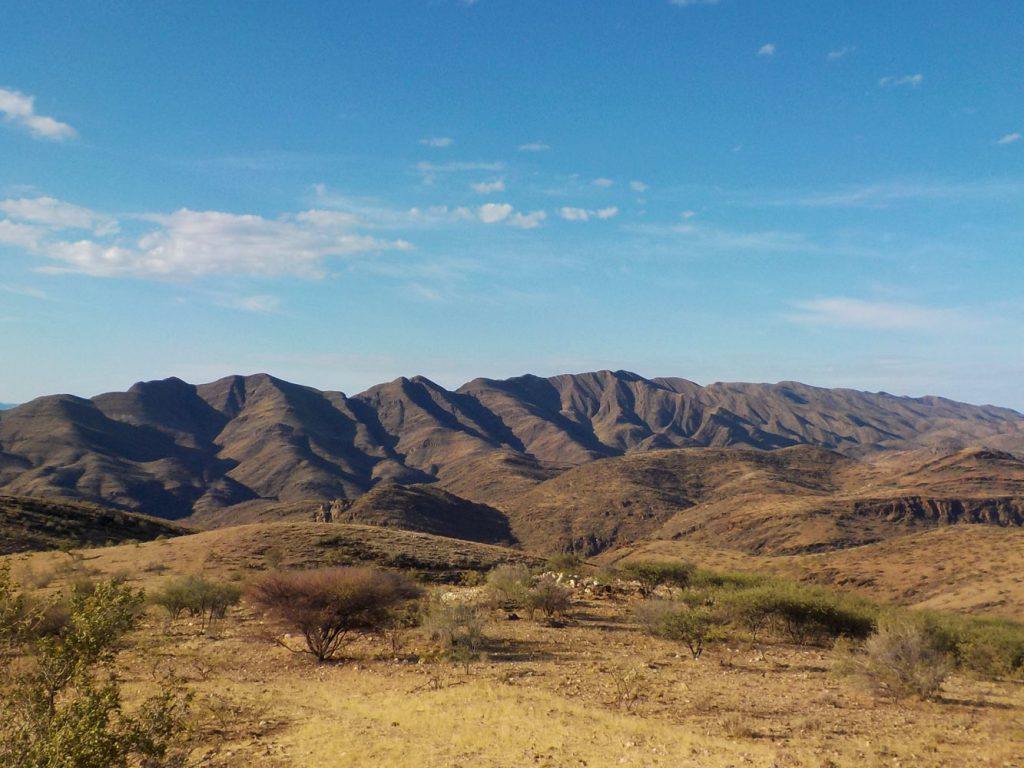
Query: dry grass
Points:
[595, 692]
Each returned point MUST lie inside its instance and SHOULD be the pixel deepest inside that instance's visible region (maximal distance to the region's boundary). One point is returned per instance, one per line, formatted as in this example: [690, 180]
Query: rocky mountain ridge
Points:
[170, 448]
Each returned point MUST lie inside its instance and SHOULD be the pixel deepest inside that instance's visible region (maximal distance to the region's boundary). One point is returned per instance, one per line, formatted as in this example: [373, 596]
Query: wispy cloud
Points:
[688, 3]
[840, 53]
[901, 81]
[57, 214]
[438, 142]
[884, 194]
[1010, 138]
[534, 146]
[585, 214]
[638, 186]
[603, 183]
[22, 290]
[487, 187]
[459, 167]
[19, 109]
[844, 312]
[766, 50]
[260, 303]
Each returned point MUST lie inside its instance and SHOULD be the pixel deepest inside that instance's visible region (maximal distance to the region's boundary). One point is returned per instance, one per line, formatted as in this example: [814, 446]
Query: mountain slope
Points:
[795, 500]
[171, 448]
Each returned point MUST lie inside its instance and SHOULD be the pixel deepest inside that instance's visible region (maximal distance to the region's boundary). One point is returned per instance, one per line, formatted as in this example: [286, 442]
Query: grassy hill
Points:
[37, 524]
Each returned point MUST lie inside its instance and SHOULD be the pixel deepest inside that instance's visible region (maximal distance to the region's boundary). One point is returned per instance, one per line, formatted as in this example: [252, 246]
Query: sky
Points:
[341, 193]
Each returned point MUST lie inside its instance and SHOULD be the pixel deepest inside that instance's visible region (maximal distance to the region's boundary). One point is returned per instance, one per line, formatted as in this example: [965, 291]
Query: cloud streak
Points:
[19, 109]
[901, 81]
[844, 312]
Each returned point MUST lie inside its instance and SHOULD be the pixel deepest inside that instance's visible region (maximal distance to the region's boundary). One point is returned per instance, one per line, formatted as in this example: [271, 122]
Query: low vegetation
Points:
[668, 659]
[328, 606]
[61, 703]
[203, 599]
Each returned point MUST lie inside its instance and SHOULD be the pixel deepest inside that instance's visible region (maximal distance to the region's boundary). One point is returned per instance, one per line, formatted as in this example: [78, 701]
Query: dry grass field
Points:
[595, 691]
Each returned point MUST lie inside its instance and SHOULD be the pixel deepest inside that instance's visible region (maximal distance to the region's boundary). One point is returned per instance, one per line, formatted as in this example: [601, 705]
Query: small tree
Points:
[329, 605]
[691, 627]
[65, 710]
[652, 574]
[203, 599]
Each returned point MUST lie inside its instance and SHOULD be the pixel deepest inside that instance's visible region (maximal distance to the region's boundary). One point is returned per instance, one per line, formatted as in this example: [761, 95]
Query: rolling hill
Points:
[29, 524]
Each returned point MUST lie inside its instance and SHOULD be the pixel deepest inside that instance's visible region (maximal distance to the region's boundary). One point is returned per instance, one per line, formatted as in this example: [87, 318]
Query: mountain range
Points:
[174, 449]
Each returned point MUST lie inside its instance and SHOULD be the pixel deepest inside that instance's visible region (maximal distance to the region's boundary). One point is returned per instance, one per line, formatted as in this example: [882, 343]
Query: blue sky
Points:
[342, 193]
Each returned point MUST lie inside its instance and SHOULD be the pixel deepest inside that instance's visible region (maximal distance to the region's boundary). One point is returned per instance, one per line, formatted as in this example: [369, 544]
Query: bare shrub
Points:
[328, 606]
[457, 628]
[509, 584]
[902, 658]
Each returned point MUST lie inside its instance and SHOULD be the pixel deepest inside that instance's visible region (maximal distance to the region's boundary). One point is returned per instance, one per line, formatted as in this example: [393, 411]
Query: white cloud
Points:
[530, 220]
[438, 142]
[21, 235]
[687, 3]
[585, 214]
[1010, 138]
[190, 243]
[487, 187]
[492, 213]
[602, 183]
[898, 81]
[844, 312]
[768, 49]
[839, 53]
[638, 186]
[56, 214]
[19, 109]
[687, 215]
[534, 146]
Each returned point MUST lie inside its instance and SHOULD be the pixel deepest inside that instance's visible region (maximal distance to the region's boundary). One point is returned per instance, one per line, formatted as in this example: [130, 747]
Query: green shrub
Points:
[987, 646]
[652, 574]
[65, 709]
[13, 608]
[567, 563]
[693, 625]
[804, 615]
[329, 605]
[549, 597]
[202, 598]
